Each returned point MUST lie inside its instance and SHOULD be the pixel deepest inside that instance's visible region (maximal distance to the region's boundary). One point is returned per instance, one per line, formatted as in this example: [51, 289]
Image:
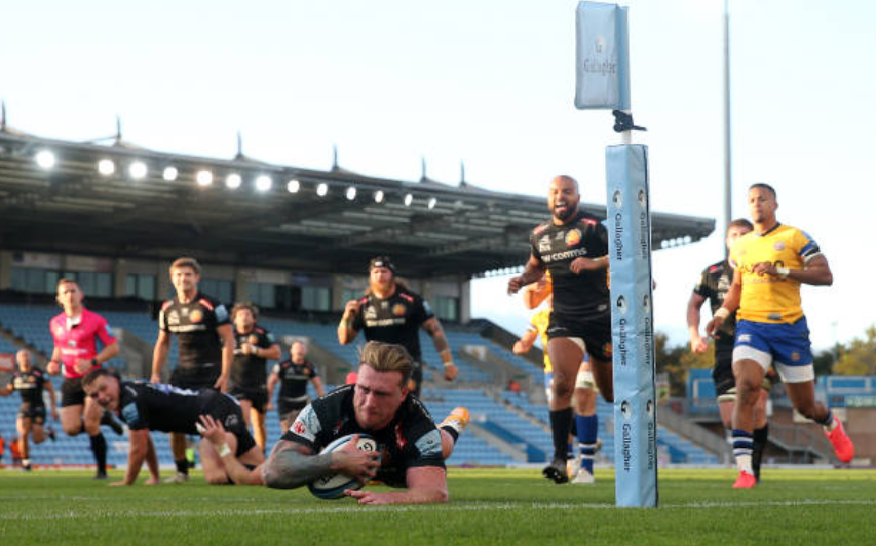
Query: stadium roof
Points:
[151, 205]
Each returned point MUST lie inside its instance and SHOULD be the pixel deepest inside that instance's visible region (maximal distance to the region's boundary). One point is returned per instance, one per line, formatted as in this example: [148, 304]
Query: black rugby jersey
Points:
[195, 325]
[250, 371]
[396, 319]
[29, 385]
[557, 246]
[157, 406]
[713, 285]
[293, 379]
[410, 440]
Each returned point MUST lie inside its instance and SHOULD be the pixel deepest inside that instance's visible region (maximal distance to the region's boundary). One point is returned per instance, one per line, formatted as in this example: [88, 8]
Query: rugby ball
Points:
[332, 486]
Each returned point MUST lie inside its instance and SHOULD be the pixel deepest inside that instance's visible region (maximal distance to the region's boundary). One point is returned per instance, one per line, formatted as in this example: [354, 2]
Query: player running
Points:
[76, 333]
[380, 404]
[769, 265]
[391, 313]
[293, 375]
[253, 346]
[713, 284]
[30, 381]
[586, 425]
[573, 246]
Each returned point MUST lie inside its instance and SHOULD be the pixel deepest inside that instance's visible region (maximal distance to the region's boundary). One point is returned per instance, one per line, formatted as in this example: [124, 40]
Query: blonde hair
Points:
[387, 357]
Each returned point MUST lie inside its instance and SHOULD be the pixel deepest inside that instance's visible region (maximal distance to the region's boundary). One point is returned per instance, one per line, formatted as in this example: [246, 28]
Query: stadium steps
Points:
[801, 444]
[530, 453]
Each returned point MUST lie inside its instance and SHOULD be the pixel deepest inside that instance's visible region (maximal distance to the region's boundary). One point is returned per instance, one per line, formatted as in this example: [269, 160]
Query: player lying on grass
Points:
[154, 406]
[380, 404]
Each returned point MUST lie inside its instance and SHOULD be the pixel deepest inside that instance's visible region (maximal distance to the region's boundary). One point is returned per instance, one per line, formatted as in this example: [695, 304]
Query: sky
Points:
[492, 84]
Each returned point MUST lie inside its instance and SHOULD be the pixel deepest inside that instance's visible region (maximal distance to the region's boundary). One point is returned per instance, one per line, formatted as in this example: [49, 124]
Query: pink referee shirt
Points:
[80, 339]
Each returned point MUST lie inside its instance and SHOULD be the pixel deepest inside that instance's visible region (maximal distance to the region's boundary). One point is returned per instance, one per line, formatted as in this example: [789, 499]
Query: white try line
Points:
[408, 508]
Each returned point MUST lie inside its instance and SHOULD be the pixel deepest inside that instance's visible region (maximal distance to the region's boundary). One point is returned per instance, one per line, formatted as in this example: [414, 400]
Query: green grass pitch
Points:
[488, 506]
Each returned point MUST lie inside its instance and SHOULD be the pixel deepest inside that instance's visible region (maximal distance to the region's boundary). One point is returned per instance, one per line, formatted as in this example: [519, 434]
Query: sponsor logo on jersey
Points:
[196, 315]
[743, 338]
[429, 443]
[59, 331]
[779, 245]
[399, 309]
[544, 244]
[573, 237]
[231, 421]
[370, 313]
[307, 424]
[172, 318]
[795, 356]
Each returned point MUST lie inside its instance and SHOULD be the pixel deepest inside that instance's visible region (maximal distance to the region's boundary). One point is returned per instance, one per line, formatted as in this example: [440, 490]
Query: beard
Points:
[565, 213]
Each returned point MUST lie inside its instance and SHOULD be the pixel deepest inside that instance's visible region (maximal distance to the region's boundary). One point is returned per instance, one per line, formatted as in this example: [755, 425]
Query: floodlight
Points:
[264, 182]
[293, 186]
[106, 167]
[138, 170]
[204, 178]
[232, 181]
[45, 159]
[170, 173]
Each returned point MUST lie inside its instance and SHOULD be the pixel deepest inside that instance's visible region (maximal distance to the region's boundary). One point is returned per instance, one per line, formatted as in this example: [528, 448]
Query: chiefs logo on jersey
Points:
[399, 310]
[253, 339]
[196, 315]
[573, 237]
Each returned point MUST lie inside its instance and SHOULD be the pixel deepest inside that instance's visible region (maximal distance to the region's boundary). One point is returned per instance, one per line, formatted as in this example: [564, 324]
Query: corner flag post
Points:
[603, 82]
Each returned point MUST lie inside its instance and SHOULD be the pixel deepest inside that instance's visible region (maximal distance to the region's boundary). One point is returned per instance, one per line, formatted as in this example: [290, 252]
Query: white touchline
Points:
[91, 513]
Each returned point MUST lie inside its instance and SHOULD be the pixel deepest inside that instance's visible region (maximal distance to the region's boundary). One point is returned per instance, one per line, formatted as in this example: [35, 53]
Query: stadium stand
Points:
[511, 417]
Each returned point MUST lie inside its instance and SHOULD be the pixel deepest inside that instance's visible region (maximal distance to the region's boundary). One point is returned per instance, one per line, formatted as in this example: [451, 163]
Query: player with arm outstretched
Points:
[381, 405]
